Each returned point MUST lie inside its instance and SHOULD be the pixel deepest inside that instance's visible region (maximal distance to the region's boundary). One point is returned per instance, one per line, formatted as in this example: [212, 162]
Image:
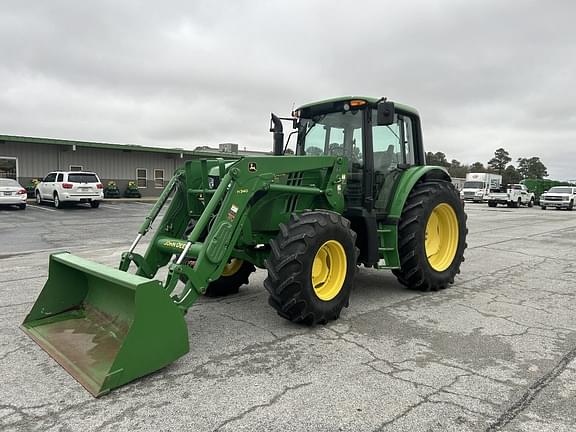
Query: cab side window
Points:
[60, 177]
[393, 145]
[387, 150]
[50, 178]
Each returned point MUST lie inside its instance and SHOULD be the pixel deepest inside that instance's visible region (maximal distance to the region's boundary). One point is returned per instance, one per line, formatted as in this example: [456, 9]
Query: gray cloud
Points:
[483, 74]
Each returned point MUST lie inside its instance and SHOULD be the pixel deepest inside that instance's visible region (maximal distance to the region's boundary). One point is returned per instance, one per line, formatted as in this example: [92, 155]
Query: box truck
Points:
[477, 186]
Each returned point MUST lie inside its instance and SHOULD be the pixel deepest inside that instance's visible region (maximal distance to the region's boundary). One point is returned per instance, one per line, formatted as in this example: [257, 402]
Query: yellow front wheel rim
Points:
[329, 270]
[441, 238]
[232, 267]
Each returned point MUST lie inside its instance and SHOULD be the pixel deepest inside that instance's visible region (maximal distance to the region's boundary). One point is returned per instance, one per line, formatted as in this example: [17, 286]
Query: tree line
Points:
[525, 168]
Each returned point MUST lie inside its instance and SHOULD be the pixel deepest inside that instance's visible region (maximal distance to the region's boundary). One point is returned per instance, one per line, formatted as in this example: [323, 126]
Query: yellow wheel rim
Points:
[232, 267]
[441, 241]
[329, 270]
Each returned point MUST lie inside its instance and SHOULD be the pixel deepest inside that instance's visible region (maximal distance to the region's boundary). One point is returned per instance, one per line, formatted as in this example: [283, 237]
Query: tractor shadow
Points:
[369, 281]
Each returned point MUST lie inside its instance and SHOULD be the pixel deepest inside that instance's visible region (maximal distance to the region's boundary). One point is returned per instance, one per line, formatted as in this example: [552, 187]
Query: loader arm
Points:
[224, 215]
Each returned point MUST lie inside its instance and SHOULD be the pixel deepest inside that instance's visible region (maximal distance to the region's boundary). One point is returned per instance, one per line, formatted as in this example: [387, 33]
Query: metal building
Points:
[27, 158]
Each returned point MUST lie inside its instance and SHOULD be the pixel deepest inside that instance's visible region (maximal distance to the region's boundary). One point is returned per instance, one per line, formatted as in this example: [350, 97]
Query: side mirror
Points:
[385, 115]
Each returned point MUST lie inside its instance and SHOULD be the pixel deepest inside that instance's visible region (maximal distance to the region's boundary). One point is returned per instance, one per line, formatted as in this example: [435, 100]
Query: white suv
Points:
[65, 186]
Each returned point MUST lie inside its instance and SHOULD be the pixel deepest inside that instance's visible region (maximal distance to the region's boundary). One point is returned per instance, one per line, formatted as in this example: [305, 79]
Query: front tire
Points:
[38, 197]
[311, 267]
[94, 204]
[492, 204]
[543, 207]
[22, 206]
[235, 274]
[431, 237]
[571, 205]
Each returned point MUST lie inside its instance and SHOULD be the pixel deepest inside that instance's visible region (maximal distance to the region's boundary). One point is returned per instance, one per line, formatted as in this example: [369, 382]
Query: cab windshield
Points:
[333, 134]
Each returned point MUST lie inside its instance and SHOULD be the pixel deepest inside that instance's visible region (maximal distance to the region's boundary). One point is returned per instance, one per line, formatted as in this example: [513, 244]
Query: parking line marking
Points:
[41, 208]
[109, 206]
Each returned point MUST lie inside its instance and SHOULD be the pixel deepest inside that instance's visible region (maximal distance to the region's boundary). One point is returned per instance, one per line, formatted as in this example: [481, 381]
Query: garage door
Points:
[8, 167]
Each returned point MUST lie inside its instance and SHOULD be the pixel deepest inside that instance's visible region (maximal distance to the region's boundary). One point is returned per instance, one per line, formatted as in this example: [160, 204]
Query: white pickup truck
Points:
[559, 197]
[512, 195]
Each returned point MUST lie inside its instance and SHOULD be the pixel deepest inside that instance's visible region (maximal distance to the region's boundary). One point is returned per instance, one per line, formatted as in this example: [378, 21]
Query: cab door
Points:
[394, 149]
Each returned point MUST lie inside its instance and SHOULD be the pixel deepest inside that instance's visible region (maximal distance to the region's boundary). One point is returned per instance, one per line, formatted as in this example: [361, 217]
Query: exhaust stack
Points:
[278, 135]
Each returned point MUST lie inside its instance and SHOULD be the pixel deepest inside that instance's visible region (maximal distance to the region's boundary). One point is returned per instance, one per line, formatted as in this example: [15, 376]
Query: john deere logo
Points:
[174, 244]
[252, 166]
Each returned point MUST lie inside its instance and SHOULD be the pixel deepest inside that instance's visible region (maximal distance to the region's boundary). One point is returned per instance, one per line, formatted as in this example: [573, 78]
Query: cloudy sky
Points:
[180, 73]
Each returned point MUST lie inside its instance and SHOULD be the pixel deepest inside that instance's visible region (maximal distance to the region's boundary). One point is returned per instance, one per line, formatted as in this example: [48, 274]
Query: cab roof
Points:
[370, 100]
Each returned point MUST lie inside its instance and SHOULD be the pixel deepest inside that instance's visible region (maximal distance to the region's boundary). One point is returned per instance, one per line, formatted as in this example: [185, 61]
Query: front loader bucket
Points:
[104, 326]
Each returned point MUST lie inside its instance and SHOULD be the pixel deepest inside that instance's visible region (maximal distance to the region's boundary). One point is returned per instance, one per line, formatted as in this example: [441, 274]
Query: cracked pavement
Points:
[494, 352]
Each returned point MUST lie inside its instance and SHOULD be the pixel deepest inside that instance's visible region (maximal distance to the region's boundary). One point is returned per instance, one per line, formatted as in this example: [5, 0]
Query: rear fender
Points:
[407, 182]
[388, 227]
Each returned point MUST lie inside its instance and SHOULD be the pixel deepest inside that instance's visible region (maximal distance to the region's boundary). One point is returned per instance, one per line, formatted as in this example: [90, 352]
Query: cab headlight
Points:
[565, 198]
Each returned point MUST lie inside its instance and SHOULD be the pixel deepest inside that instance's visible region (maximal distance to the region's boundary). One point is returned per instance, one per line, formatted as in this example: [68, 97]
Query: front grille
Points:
[553, 198]
[294, 179]
[469, 194]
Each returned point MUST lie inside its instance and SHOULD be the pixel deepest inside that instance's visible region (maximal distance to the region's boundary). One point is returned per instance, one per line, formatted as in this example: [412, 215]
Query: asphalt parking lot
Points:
[496, 351]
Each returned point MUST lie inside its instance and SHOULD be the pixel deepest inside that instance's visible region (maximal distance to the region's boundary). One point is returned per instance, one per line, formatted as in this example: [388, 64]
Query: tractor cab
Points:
[380, 140]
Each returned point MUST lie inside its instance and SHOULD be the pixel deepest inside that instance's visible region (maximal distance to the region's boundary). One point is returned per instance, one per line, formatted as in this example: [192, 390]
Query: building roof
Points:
[130, 147]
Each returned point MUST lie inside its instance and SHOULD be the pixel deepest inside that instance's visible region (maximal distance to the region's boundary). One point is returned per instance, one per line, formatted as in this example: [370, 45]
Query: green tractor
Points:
[357, 191]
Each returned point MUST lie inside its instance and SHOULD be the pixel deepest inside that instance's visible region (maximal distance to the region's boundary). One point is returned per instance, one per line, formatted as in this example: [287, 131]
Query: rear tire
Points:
[57, 202]
[22, 206]
[431, 237]
[543, 207]
[492, 203]
[94, 204]
[531, 203]
[311, 267]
